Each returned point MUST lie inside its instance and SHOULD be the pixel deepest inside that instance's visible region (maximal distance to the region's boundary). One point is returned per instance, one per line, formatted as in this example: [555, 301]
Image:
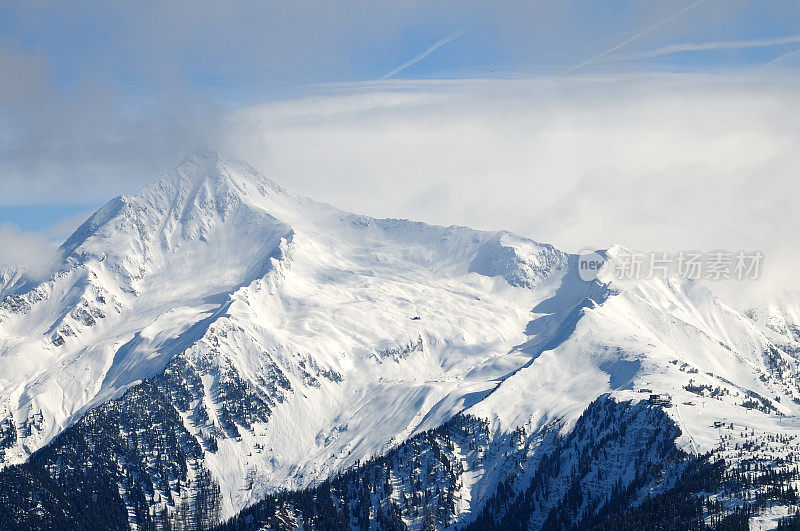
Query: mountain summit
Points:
[217, 338]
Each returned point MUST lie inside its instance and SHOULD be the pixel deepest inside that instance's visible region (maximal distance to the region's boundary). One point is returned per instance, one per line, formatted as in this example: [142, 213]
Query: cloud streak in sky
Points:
[438, 44]
[635, 37]
[717, 45]
[783, 57]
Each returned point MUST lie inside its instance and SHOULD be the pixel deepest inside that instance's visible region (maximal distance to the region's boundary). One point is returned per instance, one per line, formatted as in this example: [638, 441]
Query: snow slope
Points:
[654, 336]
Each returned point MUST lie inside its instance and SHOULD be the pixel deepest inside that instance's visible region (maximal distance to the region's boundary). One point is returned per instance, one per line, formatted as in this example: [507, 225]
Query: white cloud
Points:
[638, 35]
[718, 45]
[435, 46]
[63, 229]
[31, 250]
[666, 162]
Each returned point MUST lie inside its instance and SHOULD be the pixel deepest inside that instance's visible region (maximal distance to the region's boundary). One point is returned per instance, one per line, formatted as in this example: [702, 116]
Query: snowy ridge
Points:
[10, 277]
[782, 316]
[658, 335]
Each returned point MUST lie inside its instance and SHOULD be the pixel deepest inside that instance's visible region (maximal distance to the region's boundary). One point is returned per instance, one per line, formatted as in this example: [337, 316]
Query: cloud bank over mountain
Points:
[664, 162]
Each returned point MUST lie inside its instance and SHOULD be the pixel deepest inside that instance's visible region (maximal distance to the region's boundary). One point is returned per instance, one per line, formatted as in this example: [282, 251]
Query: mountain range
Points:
[218, 351]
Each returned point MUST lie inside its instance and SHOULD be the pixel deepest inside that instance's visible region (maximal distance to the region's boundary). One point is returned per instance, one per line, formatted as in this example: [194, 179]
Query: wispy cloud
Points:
[717, 45]
[438, 44]
[633, 38]
[781, 58]
[31, 250]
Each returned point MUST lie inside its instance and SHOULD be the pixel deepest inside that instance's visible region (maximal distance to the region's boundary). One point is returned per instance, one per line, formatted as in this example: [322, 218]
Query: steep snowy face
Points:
[10, 276]
[781, 316]
[669, 337]
[322, 336]
[136, 278]
[195, 229]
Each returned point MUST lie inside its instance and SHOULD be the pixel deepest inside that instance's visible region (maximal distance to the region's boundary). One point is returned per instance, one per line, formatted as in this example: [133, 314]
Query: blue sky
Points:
[41, 217]
[247, 52]
[98, 98]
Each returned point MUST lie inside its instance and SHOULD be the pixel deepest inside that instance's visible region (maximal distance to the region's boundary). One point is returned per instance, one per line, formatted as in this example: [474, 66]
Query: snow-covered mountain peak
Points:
[209, 212]
[184, 204]
[245, 278]
[215, 178]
